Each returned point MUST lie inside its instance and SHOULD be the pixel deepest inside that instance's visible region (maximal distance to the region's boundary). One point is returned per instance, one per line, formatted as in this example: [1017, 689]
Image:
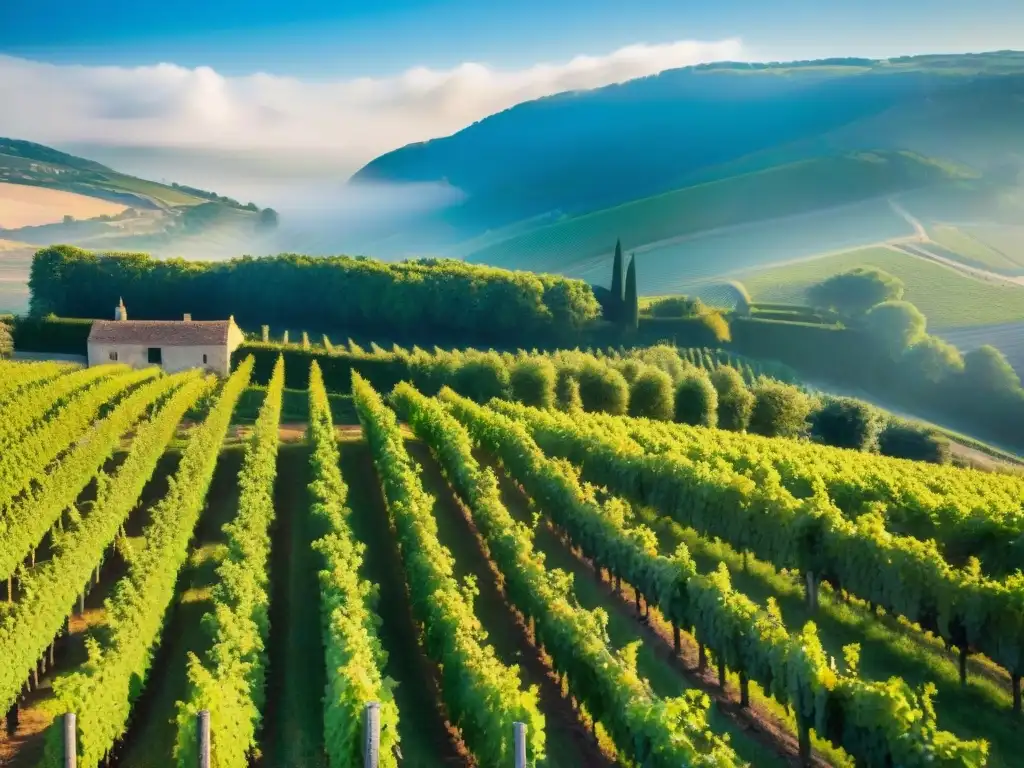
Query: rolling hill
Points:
[576, 153]
[780, 191]
[24, 162]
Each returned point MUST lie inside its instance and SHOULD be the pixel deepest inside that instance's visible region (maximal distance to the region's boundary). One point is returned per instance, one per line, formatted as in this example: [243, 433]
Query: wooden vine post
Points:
[204, 739]
[371, 735]
[519, 734]
[70, 741]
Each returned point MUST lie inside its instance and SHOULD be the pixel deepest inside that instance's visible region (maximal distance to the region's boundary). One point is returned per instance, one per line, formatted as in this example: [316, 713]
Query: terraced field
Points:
[453, 562]
[948, 298]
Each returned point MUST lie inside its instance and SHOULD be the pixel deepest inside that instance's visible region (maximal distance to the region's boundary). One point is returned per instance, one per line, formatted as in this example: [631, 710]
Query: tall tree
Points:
[631, 305]
[617, 288]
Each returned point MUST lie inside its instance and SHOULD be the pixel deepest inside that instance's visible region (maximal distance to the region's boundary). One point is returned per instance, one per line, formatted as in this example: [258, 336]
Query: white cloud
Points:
[347, 121]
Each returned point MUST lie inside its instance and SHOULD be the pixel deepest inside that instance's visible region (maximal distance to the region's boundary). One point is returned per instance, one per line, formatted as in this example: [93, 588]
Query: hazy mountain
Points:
[578, 152]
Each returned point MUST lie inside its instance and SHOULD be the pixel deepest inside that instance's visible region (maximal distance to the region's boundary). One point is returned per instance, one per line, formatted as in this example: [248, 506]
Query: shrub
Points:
[676, 306]
[898, 325]
[934, 359]
[696, 399]
[532, 381]
[629, 369]
[665, 357]
[602, 388]
[845, 423]
[987, 369]
[780, 410]
[482, 377]
[572, 402]
[716, 323]
[651, 395]
[735, 401]
[855, 292]
[565, 379]
[907, 441]
[6, 344]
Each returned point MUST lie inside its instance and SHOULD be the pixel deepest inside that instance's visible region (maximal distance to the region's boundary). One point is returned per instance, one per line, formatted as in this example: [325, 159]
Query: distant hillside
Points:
[24, 162]
[48, 197]
[779, 191]
[575, 153]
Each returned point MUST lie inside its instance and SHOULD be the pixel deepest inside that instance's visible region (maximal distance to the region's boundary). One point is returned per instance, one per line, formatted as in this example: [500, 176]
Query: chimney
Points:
[120, 313]
[188, 317]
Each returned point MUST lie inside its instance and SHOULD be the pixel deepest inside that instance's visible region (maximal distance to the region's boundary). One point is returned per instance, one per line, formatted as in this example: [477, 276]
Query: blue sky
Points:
[331, 38]
[236, 93]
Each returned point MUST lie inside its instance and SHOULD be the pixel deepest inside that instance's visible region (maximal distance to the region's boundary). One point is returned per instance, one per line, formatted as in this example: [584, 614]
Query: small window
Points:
[204, 359]
[113, 355]
[155, 355]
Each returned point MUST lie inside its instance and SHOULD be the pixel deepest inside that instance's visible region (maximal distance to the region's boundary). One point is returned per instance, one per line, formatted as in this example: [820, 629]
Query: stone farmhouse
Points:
[174, 345]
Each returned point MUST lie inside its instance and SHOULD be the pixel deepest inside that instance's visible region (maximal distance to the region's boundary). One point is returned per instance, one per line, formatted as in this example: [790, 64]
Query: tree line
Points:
[440, 296]
[653, 382]
[979, 388]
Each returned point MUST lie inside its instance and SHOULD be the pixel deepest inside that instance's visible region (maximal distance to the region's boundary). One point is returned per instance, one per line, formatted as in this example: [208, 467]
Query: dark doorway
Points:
[155, 356]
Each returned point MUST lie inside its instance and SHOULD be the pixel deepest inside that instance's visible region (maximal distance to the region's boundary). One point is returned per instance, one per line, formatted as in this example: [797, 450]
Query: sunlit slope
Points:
[947, 297]
[777, 192]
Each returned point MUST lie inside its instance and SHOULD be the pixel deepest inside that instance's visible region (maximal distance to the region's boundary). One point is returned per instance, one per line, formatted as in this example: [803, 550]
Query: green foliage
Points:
[618, 293]
[6, 339]
[656, 732]
[780, 410]
[418, 297]
[933, 359]
[949, 298]
[25, 454]
[48, 590]
[16, 376]
[482, 376]
[696, 400]
[855, 292]
[532, 381]
[602, 388]
[229, 681]
[986, 370]
[664, 357]
[571, 401]
[896, 324]
[881, 722]
[51, 334]
[876, 722]
[845, 423]
[676, 306]
[631, 301]
[907, 441]
[103, 690]
[27, 517]
[651, 395]
[483, 697]
[354, 654]
[268, 219]
[735, 401]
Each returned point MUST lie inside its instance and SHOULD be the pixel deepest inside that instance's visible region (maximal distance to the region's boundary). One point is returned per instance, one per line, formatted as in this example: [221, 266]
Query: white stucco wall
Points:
[218, 358]
[173, 358]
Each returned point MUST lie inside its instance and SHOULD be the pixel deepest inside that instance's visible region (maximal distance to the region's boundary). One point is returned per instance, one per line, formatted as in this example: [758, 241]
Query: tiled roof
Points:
[161, 333]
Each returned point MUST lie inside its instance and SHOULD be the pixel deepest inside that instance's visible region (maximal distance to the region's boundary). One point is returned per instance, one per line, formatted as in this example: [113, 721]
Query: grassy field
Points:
[27, 206]
[973, 250]
[780, 191]
[948, 298]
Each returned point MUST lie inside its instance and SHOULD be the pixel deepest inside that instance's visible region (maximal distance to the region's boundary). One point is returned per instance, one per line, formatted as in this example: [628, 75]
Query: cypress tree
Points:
[617, 291]
[631, 307]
